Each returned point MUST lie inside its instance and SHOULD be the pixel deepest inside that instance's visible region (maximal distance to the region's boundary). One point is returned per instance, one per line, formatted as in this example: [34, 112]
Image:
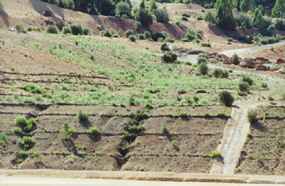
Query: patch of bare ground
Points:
[263, 152]
[271, 53]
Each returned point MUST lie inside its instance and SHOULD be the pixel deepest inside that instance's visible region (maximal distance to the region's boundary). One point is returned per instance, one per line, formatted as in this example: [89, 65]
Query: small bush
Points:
[164, 47]
[169, 57]
[19, 27]
[243, 87]
[138, 25]
[184, 18]
[235, 59]
[82, 116]
[162, 15]
[76, 29]
[17, 130]
[106, 33]
[66, 132]
[279, 24]
[51, 29]
[27, 125]
[169, 40]
[3, 139]
[185, 14]
[203, 68]
[226, 98]
[252, 116]
[93, 130]
[199, 18]
[215, 153]
[147, 35]
[202, 60]
[247, 79]
[137, 129]
[140, 36]
[128, 33]
[219, 73]
[206, 44]
[28, 140]
[144, 16]
[222, 114]
[86, 31]
[66, 30]
[33, 29]
[132, 38]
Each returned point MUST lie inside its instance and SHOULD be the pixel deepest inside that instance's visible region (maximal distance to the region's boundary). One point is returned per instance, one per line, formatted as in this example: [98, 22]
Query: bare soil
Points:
[264, 153]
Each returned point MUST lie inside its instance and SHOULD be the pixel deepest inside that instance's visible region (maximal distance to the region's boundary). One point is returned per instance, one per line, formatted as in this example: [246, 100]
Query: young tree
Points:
[210, 17]
[224, 16]
[143, 15]
[258, 20]
[246, 5]
[123, 8]
[162, 15]
[279, 9]
[152, 6]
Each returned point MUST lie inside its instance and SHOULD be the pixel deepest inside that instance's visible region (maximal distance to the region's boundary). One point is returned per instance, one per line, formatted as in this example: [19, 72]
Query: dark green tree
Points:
[258, 20]
[224, 16]
[152, 6]
[279, 9]
[246, 5]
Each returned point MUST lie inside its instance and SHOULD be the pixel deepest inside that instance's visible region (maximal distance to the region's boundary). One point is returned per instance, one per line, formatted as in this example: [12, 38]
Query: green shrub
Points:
[140, 36]
[132, 38]
[252, 116]
[127, 135]
[66, 30]
[222, 114]
[185, 14]
[279, 24]
[169, 40]
[93, 130]
[144, 16]
[137, 129]
[138, 25]
[51, 29]
[243, 87]
[226, 98]
[169, 57]
[128, 33]
[190, 36]
[203, 68]
[160, 35]
[206, 44]
[215, 153]
[162, 15]
[199, 18]
[82, 116]
[17, 130]
[27, 125]
[164, 47]
[3, 139]
[23, 153]
[210, 17]
[184, 18]
[28, 140]
[33, 29]
[235, 59]
[123, 9]
[86, 31]
[76, 29]
[202, 60]
[33, 88]
[66, 132]
[106, 33]
[147, 35]
[247, 79]
[19, 27]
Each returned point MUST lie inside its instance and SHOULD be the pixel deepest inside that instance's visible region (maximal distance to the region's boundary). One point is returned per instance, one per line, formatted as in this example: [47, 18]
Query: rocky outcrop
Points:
[248, 63]
[47, 13]
[280, 61]
[261, 67]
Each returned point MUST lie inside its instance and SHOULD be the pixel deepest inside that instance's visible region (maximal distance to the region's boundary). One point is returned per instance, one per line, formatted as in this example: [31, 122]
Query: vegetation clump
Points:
[51, 29]
[169, 57]
[3, 139]
[93, 130]
[215, 153]
[164, 47]
[203, 68]
[82, 116]
[252, 116]
[27, 125]
[226, 98]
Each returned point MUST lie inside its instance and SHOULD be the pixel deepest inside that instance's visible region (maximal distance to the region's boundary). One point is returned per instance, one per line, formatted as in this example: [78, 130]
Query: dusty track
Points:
[119, 178]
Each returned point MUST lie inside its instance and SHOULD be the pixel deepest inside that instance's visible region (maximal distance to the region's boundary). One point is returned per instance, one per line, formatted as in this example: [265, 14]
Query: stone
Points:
[280, 61]
[47, 13]
[261, 67]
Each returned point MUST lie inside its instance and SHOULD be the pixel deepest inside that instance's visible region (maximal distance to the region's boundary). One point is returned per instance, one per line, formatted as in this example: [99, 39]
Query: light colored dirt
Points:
[121, 177]
[272, 55]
